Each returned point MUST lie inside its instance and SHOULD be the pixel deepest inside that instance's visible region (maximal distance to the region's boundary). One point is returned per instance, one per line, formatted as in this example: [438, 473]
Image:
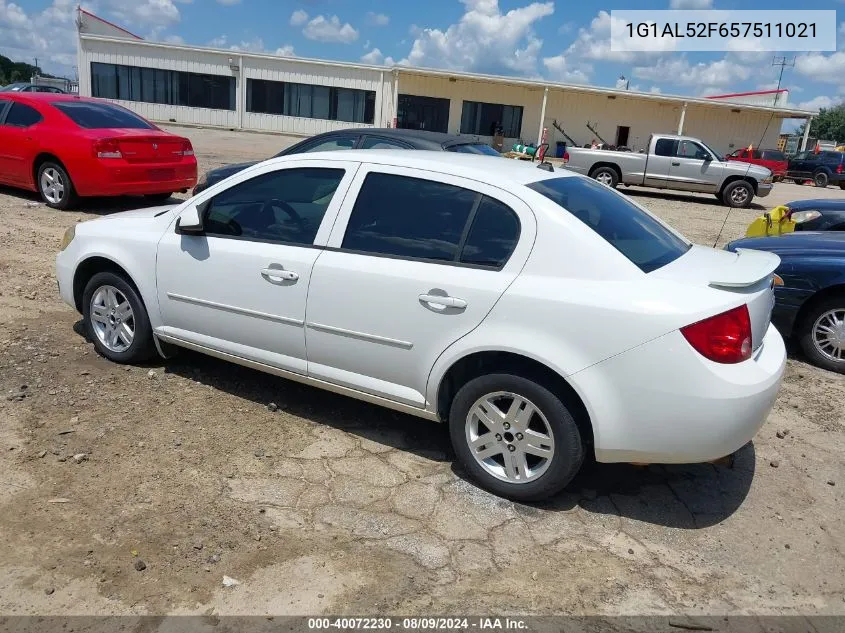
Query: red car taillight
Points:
[724, 338]
[107, 148]
[187, 148]
[565, 157]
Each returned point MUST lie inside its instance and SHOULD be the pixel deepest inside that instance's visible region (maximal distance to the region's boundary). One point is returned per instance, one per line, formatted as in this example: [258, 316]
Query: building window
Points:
[169, 87]
[485, 118]
[423, 113]
[311, 102]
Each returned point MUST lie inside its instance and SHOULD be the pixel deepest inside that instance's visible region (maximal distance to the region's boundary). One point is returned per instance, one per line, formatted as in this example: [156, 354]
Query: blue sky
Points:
[560, 40]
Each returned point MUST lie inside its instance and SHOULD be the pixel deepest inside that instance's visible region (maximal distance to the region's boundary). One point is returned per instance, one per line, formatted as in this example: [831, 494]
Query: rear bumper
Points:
[127, 179]
[664, 403]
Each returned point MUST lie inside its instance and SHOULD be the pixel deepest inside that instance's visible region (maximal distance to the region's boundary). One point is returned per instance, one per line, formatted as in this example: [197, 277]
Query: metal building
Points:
[292, 95]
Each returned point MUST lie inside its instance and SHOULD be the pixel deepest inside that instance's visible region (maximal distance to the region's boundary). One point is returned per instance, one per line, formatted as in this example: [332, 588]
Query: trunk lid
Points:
[146, 146]
[746, 273]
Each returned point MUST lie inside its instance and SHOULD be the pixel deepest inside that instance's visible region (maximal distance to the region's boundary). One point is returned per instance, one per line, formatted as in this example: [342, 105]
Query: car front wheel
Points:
[116, 320]
[515, 438]
[738, 194]
[822, 334]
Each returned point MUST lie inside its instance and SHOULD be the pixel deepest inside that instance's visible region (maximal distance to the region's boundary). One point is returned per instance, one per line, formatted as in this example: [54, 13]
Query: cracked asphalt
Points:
[324, 505]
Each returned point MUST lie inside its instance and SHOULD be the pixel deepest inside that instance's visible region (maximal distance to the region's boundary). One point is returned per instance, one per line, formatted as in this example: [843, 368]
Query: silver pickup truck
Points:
[674, 162]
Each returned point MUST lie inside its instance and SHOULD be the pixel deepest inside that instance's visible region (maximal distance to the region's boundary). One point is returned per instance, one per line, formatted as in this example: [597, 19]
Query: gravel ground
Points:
[135, 490]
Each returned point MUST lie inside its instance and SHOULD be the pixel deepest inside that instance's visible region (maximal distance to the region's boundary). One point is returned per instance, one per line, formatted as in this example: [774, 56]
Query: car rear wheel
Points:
[515, 438]
[116, 320]
[842, 185]
[822, 334]
[798, 181]
[821, 179]
[159, 197]
[738, 194]
[606, 176]
[55, 185]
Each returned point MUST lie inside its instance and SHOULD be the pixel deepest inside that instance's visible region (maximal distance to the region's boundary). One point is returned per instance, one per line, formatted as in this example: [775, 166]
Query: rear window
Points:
[473, 148]
[92, 115]
[771, 154]
[630, 230]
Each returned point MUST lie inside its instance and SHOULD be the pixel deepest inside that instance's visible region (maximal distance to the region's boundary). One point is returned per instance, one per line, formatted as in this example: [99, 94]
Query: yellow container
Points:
[775, 222]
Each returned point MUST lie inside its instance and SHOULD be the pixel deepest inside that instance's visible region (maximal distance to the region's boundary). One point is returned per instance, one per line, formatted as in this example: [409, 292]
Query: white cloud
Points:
[377, 19]
[559, 70]
[711, 75]
[48, 34]
[593, 43]
[483, 40]
[655, 90]
[227, 3]
[298, 17]
[822, 101]
[691, 4]
[330, 29]
[285, 51]
[146, 13]
[820, 67]
[174, 39]
[376, 57]
[254, 45]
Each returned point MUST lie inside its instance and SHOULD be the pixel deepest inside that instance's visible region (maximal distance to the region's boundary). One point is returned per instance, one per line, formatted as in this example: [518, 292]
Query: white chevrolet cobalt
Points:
[541, 314]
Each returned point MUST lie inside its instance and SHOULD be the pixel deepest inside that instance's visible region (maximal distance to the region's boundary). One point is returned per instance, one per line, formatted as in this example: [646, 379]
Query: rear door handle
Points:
[449, 302]
[676, 164]
[280, 273]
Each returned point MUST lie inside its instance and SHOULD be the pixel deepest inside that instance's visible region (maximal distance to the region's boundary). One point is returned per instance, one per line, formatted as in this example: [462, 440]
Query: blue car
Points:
[818, 215]
[810, 305]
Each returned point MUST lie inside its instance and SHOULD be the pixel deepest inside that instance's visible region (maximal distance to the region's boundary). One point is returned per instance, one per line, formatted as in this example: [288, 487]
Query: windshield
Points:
[472, 148]
[637, 235]
[93, 115]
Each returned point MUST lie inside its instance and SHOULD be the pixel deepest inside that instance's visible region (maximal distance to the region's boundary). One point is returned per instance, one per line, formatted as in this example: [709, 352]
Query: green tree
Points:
[828, 125]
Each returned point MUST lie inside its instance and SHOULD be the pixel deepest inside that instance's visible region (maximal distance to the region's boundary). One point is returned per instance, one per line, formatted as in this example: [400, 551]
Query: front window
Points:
[640, 237]
[473, 148]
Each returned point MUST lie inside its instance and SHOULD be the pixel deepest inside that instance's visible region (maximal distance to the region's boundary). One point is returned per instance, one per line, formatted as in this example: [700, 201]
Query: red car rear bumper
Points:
[127, 179]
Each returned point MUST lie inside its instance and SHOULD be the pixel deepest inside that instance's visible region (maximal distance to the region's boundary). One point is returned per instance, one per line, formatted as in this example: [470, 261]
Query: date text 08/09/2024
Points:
[682, 30]
[418, 624]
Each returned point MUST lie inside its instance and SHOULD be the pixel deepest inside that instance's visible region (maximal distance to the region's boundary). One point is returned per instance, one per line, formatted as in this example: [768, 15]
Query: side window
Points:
[757, 154]
[21, 115]
[373, 142]
[4, 104]
[280, 206]
[493, 235]
[737, 153]
[665, 147]
[330, 144]
[690, 149]
[800, 156]
[409, 217]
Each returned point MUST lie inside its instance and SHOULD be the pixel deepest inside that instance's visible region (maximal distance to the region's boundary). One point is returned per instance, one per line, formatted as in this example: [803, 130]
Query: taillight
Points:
[724, 338]
[107, 148]
[565, 157]
[839, 169]
[187, 148]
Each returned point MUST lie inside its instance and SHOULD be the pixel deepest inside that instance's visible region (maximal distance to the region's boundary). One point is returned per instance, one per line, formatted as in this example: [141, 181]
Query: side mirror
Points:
[707, 158]
[190, 221]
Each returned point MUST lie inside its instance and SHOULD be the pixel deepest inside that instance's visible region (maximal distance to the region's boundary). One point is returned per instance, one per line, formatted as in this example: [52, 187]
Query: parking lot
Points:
[137, 489]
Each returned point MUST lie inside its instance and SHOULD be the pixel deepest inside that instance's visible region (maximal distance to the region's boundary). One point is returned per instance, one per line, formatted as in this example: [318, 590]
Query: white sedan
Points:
[541, 314]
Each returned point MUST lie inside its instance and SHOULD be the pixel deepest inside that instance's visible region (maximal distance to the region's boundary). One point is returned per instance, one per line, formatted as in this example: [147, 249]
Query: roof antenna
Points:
[541, 155]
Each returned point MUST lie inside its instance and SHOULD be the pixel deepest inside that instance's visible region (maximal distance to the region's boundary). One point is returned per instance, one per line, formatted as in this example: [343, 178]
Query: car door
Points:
[798, 165]
[694, 168]
[416, 260]
[18, 144]
[658, 162]
[240, 287]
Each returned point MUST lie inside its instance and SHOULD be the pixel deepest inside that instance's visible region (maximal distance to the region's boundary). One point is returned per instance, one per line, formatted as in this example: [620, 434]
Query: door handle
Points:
[280, 273]
[449, 302]
[676, 164]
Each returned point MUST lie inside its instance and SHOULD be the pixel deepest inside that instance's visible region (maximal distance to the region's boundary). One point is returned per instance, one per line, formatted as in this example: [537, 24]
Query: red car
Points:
[772, 159]
[64, 146]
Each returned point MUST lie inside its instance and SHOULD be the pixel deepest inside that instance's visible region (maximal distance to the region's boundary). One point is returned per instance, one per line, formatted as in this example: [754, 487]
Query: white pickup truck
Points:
[674, 162]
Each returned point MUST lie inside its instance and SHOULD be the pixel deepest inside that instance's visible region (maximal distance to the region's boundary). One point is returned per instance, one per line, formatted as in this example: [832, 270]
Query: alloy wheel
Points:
[829, 335]
[739, 195]
[510, 437]
[604, 178]
[52, 185]
[112, 319]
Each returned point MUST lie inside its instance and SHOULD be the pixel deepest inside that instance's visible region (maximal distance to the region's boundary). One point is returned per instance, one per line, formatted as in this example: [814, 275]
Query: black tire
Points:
[821, 179]
[608, 173]
[732, 194]
[842, 185]
[798, 181]
[68, 195]
[805, 333]
[142, 347]
[568, 453]
[159, 197]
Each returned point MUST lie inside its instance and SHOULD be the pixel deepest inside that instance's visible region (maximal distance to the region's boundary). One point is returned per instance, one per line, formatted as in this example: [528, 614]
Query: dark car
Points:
[824, 168]
[364, 138]
[817, 215]
[810, 305]
[27, 87]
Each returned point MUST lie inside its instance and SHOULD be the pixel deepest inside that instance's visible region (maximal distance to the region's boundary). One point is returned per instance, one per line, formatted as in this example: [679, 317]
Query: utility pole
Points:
[783, 62]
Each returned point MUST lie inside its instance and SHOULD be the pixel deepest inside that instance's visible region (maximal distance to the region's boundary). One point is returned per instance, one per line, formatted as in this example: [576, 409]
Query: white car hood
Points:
[149, 212]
